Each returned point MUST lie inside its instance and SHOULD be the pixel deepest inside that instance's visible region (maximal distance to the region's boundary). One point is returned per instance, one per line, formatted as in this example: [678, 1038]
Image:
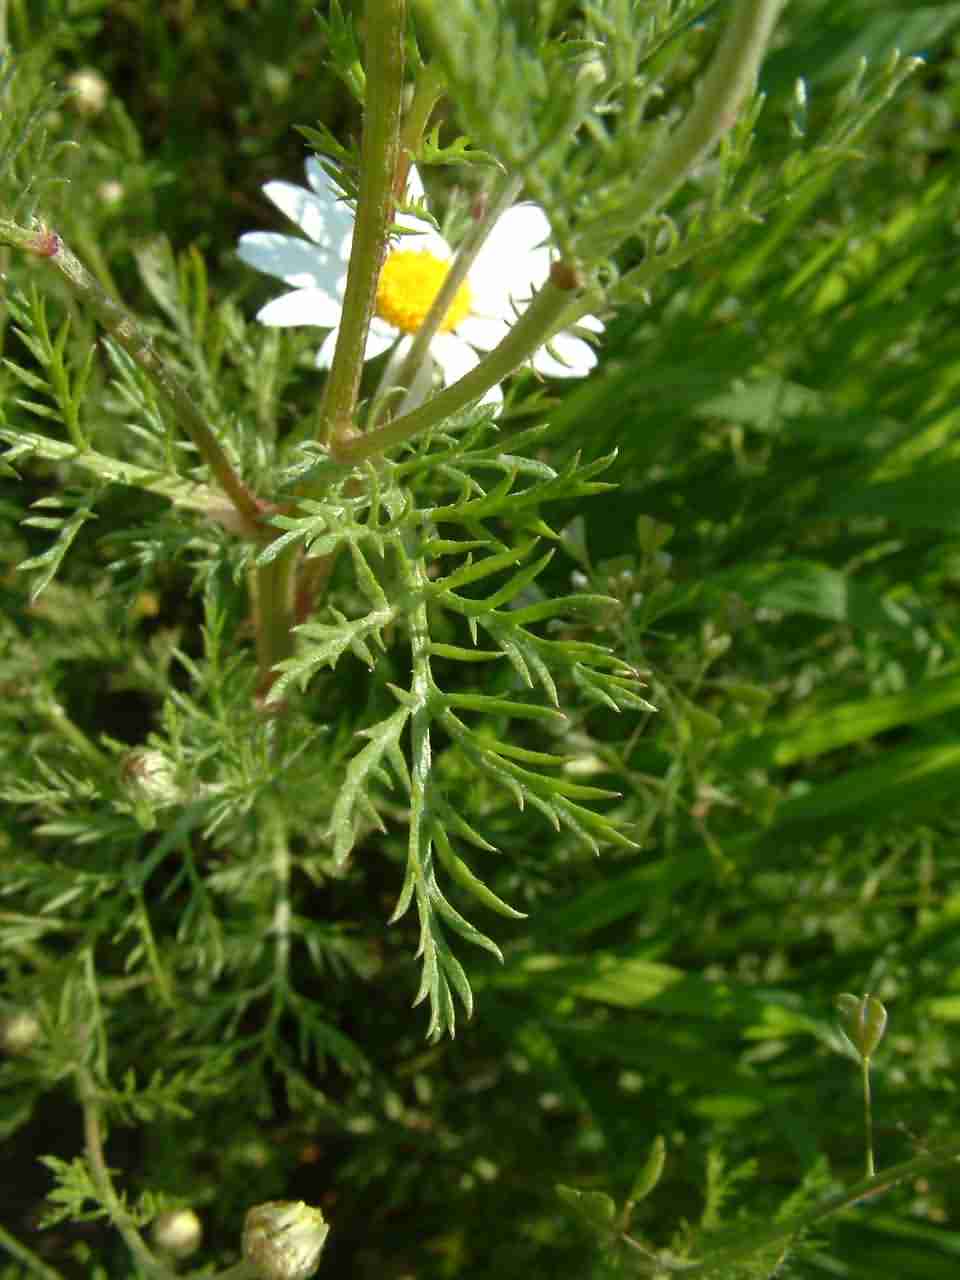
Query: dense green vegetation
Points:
[779, 559]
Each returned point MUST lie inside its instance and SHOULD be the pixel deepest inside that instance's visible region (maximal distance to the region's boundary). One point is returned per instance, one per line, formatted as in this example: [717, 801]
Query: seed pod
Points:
[864, 1021]
[283, 1239]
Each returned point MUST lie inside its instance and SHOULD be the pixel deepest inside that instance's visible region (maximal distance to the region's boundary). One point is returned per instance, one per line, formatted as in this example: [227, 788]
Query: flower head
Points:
[512, 263]
[283, 1239]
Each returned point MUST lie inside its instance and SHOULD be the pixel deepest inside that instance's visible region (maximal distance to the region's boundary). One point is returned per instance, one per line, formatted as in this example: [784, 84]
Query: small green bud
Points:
[864, 1021]
[177, 1232]
[649, 1175]
[283, 1239]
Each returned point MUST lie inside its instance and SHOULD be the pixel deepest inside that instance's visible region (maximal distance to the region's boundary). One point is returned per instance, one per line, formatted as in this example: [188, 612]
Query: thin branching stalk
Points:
[100, 1174]
[379, 155]
[125, 330]
[783, 1233]
[426, 94]
[729, 79]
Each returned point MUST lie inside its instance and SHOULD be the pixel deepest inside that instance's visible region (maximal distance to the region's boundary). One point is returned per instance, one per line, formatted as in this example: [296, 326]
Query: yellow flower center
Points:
[409, 282]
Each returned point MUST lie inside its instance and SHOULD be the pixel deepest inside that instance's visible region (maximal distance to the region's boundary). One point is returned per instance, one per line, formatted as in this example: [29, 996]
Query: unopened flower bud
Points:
[591, 73]
[150, 775]
[110, 192]
[177, 1232]
[89, 91]
[864, 1021]
[19, 1032]
[283, 1239]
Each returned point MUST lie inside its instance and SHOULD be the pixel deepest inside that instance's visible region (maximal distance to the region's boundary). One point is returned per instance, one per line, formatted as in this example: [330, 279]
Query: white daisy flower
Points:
[513, 262]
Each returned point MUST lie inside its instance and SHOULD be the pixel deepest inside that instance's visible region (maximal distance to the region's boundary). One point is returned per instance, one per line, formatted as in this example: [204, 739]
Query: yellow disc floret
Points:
[409, 282]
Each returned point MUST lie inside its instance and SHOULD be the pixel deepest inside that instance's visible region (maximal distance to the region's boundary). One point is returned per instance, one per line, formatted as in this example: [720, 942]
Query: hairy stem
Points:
[379, 155]
[125, 330]
[274, 614]
[426, 94]
[729, 79]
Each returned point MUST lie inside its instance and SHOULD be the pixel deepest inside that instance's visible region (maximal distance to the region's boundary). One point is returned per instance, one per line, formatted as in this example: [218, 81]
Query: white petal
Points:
[297, 262]
[328, 222]
[327, 347]
[422, 384]
[514, 254]
[454, 356]
[303, 306]
[455, 359]
[504, 287]
[320, 180]
[494, 396]
[415, 189]
[591, 323]
[379, 338]
[520, 229]
[576, 358]
[484, 332]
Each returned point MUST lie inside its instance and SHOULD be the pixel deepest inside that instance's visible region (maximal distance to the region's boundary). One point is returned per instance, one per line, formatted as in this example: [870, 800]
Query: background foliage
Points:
[784, 544]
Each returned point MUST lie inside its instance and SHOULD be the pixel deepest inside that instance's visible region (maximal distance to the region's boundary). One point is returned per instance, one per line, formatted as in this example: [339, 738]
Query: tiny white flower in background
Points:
[513, 262]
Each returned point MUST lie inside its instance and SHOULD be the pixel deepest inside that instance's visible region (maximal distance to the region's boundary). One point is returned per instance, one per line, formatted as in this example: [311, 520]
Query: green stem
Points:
[868, 1115]
[100, 1174]
[240, 1271]
[72, 733]
[536, 326]
[280, 929]
[379, 155]
[505, 195]
[274, 613]
[27, 1257]
[783, 1233]
[124, 329]
[727, 82]
[182, 493]
[730, 77]
[429, 87]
